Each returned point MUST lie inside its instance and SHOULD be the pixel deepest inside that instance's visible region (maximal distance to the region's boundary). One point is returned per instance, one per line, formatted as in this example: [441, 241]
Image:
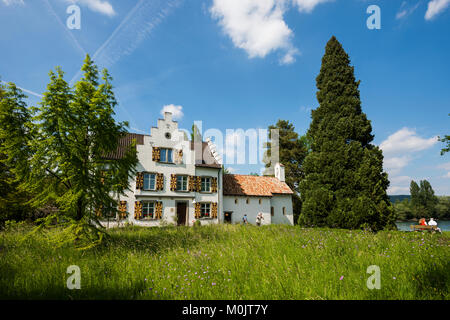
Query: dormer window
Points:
[166, 155]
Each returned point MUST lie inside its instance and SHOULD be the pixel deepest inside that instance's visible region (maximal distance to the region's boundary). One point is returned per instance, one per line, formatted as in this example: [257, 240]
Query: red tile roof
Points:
[124, 143]
[242, 185]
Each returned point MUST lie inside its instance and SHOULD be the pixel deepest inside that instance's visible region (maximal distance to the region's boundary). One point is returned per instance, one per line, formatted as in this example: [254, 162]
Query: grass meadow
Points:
[229, 262]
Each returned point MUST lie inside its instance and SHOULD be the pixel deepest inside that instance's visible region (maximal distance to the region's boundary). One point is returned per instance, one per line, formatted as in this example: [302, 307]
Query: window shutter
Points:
[198, 184]
[158, 210]
[197, 210]
[214, 185]
[173, 182]
[140, 180]
[214, 210]
[178, 156]
[98, 211]
[137, 210]
[122, 210]
[156, 154]
[160, 182]
[192, 183]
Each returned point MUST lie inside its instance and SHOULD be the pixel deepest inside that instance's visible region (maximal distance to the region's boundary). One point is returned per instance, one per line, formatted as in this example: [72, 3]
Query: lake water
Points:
[404, 226]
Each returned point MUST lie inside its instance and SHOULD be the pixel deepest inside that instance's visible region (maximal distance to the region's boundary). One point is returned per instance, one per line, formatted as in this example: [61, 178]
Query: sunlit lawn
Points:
[230, 262]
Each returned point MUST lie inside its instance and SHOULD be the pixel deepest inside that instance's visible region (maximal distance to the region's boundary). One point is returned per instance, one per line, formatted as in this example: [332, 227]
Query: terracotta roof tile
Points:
[242, 185]
[124, 143]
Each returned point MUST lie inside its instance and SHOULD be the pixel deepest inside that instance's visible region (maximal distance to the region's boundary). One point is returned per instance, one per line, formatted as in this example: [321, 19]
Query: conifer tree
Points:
[60, 151]
[292, 152]
[344, 185]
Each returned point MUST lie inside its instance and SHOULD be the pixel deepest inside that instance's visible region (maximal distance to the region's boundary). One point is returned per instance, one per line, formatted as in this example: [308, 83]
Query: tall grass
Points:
[229, 262]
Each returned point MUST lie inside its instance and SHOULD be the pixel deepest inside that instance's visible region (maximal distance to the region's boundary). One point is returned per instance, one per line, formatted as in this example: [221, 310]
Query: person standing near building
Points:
[244, 219]
[259, 217]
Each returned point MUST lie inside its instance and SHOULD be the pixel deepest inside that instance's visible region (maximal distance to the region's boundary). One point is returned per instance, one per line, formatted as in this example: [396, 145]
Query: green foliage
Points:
[406, 211]
[446, 139]
[232, 261]
[345, 185]
[292, 150]
[59, 152]
[423, 200]
[195, 133]
[14, 117]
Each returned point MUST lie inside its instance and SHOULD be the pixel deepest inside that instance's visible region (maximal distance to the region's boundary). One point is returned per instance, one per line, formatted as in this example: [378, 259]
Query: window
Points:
[259, 201]
[284, 210]
[205, 210]
[166, 155]
[235, 201]
[149, 181]
[272, 211]
[206, 184]
[247, 201]
[182, 183]
[107, 212]
[148, 210]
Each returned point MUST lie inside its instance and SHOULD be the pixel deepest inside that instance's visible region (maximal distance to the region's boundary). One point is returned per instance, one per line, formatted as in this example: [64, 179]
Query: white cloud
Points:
[176, 111]
[257, 26]
[445, 166]
[308, 5]
[406, 140]
[395, 190]
[100, 6]
[10, 2]
[399, 149]
[435, 7]
[405, 11]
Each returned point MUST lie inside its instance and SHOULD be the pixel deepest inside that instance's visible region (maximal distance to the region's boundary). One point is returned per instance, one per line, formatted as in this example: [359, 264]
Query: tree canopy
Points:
[293, 149]
[58, 150]
[344, 184]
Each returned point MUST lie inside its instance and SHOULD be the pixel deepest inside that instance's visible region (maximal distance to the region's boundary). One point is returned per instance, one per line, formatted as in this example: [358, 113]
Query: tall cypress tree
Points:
[344, 185]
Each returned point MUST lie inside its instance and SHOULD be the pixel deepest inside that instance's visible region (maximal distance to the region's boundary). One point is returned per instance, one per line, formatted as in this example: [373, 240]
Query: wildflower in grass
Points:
[213, 284]
[341, 278]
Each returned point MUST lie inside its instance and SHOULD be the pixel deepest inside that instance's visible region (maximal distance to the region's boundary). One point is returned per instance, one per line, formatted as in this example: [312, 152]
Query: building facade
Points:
[179, 182]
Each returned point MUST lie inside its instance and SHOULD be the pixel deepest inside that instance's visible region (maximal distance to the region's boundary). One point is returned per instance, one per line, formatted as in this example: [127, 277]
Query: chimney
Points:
[168, 116]
[279, 172]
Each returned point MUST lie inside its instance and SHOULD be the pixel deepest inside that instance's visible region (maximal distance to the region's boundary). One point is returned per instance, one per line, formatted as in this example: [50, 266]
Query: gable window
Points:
[166, 155]
[206, 184]
[149, 181]
[148, 210]
[182, 183]
[205, 210]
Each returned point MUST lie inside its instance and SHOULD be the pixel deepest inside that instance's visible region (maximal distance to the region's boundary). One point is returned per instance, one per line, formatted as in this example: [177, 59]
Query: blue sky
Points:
[247, 63]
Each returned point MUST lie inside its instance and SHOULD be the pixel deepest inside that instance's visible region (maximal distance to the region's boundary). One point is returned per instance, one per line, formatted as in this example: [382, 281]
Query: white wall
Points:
[251, 209]
[166, 196]
[278, 202]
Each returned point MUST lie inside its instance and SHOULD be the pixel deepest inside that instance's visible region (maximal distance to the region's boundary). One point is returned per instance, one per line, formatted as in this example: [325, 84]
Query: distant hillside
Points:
[399, 198]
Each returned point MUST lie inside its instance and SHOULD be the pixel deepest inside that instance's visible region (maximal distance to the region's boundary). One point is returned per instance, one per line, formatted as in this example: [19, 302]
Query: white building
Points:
[179, 181]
